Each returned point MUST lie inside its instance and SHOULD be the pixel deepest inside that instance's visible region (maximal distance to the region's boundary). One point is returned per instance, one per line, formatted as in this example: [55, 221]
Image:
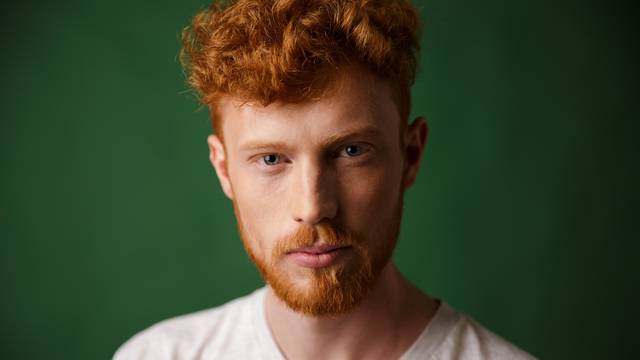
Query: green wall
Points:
[524, 213]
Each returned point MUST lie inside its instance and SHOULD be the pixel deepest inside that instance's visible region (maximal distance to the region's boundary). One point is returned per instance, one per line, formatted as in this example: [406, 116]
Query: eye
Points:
[271, 159]
[353, 150]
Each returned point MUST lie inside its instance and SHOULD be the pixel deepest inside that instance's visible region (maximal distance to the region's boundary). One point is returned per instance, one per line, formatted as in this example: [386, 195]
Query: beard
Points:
[335, 289]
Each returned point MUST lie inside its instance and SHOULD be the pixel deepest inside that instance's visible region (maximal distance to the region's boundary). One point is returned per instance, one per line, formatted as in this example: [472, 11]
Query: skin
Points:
[339, 160]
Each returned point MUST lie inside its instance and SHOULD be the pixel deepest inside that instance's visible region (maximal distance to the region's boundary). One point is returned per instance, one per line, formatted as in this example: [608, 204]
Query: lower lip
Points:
[315, 261]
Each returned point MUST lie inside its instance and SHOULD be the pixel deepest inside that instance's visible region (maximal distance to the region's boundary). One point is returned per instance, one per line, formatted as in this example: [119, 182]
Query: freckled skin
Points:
[311, 182]
[312, 177]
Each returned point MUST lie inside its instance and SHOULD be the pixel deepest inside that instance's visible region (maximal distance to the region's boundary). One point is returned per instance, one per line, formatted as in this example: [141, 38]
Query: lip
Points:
[317, 249]
[316, 256]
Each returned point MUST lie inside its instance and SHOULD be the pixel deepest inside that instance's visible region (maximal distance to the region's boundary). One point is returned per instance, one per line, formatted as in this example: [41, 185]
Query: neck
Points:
[384, 325]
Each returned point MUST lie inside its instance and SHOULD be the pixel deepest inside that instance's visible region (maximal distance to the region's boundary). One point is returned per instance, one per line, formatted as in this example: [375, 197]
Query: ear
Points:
[415, 141]
[218, 159]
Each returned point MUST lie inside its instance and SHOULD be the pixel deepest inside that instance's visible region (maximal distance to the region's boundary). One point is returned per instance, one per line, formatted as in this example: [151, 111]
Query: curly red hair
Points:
[285, 50]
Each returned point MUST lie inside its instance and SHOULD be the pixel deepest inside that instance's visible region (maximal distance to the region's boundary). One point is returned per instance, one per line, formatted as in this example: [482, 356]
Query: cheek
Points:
[258, 203]
[369, 198]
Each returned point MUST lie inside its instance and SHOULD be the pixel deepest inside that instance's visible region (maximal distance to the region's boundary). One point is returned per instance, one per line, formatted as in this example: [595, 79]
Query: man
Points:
[309, 101]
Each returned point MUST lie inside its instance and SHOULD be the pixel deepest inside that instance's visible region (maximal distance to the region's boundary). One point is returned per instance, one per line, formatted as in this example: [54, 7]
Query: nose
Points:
[314, 194]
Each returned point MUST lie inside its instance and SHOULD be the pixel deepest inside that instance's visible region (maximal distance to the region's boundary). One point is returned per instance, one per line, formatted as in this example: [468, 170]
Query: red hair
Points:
[285, 50]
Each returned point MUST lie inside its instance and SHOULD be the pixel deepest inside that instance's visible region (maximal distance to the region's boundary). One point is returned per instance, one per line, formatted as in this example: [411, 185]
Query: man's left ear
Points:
[414, 142]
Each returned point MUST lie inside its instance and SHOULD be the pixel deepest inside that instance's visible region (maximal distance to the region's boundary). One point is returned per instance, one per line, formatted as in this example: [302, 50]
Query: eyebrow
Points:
[260, 145]
[368, 131]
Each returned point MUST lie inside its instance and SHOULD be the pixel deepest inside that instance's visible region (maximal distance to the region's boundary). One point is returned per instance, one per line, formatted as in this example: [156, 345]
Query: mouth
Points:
[317, 256]
[317, 249]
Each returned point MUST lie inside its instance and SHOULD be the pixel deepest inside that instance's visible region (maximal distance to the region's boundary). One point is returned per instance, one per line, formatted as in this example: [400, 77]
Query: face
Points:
[317, 188]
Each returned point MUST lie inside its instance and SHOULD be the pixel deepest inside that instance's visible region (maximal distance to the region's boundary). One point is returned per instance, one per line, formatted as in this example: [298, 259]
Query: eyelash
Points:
[363, 149]
[263, 158]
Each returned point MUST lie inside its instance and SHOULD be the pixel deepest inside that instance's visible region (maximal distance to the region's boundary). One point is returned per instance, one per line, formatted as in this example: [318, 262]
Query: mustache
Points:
[309, 235]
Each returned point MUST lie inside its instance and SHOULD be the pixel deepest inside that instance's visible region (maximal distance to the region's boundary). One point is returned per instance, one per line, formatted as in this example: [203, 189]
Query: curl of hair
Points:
[284, 50]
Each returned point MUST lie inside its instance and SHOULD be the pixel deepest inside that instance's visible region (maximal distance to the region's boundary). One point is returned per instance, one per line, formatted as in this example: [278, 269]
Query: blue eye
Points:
[271, 159]
[353, 150]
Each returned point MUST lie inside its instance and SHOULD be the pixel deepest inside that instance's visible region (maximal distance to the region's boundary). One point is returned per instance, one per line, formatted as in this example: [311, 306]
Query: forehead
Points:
[353, 100]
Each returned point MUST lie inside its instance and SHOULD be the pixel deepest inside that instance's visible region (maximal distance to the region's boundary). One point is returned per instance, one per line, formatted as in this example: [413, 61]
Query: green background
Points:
[524, 213]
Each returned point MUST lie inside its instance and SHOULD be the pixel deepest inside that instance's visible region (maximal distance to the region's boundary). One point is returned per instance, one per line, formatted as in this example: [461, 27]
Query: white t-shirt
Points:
[238, 330]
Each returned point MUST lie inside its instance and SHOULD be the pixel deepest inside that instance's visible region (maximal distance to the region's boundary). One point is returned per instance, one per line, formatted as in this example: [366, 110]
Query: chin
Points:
[333, 290]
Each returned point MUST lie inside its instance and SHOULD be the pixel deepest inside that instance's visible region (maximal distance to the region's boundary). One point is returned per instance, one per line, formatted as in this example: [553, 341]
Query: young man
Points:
[309, 101]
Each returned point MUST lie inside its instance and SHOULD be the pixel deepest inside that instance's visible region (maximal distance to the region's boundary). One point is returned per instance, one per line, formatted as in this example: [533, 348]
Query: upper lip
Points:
[317, 249]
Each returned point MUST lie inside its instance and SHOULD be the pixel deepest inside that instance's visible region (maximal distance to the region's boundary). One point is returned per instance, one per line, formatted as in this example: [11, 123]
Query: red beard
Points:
[332, 290]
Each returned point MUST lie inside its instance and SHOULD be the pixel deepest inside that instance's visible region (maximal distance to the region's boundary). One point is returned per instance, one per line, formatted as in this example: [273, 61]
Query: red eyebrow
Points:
[258, 145]
[326, 143]
[360, 132]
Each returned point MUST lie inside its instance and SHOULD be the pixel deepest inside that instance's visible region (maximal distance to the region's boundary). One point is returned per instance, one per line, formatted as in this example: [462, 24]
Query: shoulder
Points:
[211, 333]
[452, 335]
